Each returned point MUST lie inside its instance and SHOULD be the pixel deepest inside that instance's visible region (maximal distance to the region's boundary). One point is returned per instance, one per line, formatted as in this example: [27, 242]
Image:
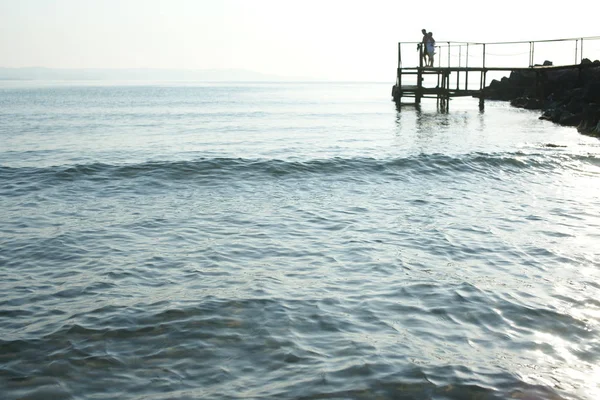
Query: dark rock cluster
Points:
[569, 96]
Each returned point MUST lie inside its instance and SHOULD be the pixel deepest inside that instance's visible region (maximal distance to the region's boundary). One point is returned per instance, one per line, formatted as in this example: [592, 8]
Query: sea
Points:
[189, 240]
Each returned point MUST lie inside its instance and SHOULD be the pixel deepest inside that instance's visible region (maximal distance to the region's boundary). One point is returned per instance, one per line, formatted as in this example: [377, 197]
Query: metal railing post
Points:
[484, 55]
[399, 70]
[531, 53]
[467, 69]
[459, 62]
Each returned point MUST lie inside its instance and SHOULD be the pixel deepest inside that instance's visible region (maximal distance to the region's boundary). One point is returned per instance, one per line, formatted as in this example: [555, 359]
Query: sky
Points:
[321, 39]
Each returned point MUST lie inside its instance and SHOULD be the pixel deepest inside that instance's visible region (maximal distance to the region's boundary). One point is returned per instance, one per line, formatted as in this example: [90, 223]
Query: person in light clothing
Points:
[430, 47]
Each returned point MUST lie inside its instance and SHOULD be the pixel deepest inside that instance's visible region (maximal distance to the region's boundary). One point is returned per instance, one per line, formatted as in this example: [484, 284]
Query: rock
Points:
[590, 122]
[572, 95]
[526, 102]
[570, 119]
[591, 92]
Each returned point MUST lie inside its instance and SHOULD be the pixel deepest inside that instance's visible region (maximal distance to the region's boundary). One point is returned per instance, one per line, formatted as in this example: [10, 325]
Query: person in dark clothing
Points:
[423, 47]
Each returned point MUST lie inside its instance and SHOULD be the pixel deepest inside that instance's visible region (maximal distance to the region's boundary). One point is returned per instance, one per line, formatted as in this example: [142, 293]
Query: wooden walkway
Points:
[443, 82]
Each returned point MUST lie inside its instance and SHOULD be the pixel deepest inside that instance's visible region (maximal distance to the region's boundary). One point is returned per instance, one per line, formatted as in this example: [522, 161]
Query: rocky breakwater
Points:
[569, 96]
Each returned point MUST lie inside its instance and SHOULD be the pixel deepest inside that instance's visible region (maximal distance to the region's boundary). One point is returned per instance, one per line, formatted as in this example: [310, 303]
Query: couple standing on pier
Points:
[428, 50]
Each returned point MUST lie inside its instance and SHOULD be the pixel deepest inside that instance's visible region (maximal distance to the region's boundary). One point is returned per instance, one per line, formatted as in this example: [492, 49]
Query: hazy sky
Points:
[330, 39]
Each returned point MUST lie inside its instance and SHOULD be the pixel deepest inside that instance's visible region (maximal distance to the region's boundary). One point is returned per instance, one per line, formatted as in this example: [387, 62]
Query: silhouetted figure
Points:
[422, 47]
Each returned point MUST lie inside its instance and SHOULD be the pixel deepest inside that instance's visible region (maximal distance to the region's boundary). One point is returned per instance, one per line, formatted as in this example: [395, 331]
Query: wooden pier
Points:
[459, 61]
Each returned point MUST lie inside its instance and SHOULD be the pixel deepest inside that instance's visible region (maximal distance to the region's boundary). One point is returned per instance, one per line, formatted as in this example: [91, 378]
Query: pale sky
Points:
[327, 39]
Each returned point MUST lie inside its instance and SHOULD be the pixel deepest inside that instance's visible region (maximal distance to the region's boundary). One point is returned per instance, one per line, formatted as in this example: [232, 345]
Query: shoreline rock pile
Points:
[568, 96]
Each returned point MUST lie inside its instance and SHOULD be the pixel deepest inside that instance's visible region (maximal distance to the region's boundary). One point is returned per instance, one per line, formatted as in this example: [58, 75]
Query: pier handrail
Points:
[458, 42]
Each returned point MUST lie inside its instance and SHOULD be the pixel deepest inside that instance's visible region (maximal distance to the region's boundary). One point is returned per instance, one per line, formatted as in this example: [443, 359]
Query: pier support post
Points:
[482, 90]
[419, 91]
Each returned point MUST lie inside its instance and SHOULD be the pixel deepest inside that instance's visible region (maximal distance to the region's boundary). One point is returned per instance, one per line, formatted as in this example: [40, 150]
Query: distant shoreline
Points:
[139, 74]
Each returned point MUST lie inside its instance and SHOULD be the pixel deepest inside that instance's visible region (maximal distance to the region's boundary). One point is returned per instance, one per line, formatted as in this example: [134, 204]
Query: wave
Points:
[14, 180]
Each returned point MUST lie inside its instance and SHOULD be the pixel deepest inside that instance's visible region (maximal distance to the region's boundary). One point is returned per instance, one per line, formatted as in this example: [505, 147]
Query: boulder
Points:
[591, 92]
[571, 96]
[569, 119]
[590, 121]
[529, 103]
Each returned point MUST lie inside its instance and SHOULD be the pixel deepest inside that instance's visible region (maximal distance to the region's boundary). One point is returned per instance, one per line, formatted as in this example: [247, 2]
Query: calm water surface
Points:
[292, 241]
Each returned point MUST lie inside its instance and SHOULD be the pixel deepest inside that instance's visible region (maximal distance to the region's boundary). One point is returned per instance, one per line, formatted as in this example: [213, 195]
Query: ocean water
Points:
[292, 241]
